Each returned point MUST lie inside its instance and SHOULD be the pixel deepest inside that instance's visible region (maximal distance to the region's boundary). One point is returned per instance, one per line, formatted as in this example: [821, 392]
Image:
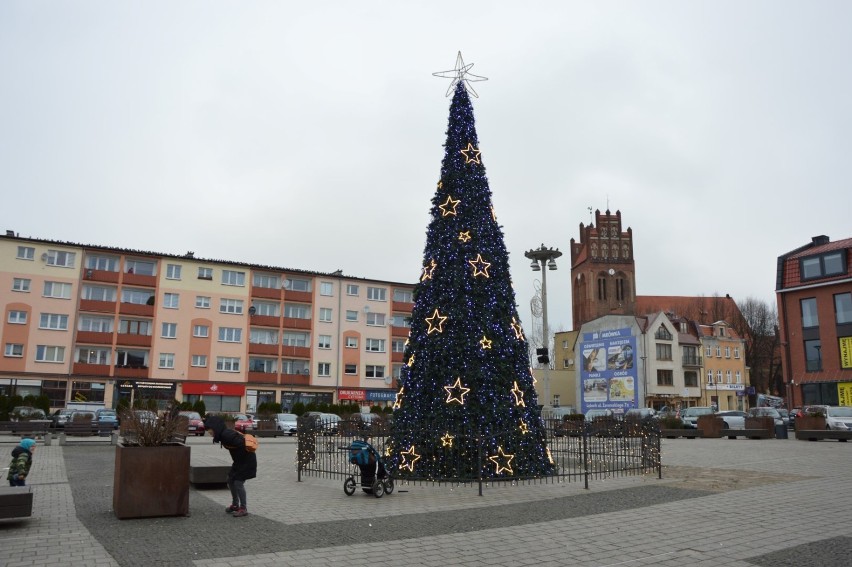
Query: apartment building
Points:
[98, 324]
[726, 384]
[814, 293]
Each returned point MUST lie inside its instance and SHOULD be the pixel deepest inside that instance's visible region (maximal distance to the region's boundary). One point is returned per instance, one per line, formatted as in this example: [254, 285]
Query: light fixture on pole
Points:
[542, 257]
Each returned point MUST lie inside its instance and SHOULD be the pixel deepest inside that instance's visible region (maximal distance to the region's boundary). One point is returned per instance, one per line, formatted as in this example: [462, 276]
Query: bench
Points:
[26, 428]
[818, 434]
[687, 433]
[208, 471]
[16, 502]
[748, 433]
[104, 431]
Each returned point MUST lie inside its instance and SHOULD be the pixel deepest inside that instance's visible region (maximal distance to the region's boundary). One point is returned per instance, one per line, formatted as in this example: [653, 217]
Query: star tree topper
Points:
[461, 73]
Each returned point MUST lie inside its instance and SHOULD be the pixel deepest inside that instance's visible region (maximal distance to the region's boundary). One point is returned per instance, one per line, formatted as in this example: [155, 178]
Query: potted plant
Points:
[151, 465]
[813, 418]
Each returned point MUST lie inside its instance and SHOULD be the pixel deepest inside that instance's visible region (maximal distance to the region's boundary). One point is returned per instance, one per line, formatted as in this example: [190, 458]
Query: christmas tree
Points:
[466, 407]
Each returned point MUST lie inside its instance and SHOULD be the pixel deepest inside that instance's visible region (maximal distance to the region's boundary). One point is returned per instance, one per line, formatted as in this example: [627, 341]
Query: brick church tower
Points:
[603, 275]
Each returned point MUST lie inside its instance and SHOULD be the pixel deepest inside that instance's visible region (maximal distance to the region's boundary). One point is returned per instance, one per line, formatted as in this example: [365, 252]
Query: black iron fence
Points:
[579, 451]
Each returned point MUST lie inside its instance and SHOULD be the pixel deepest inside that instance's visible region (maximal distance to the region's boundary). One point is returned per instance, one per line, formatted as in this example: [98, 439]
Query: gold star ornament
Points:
[428, 270]
[464, 236]
[480, 266]
[449, 206]
[456, 392]
[519, 395]
[502, 461]
[435, 322]
[447, 440]
[519, 331]
[398, 402]
[471, 154]
[485, 343]
[408, 459]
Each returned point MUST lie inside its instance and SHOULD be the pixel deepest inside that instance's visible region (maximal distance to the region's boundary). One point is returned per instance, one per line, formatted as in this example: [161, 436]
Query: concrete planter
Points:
[151, 481]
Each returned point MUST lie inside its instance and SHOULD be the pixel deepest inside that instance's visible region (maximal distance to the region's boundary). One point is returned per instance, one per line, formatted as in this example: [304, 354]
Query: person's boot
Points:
[240, 512]
[231, 509]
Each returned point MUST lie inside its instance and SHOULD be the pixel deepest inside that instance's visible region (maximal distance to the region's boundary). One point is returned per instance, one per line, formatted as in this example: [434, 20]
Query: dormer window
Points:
[663, 334]
[823, 265]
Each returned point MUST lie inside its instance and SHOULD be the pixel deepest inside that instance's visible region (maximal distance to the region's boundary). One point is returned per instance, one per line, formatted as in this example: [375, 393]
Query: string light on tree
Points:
[435, 322]
[447, 440]
[519, 395]
[502, 461]
[456, 392]
[471, 154]
[464, 236]
[485, 342]
[449, 206]
[428, 270]
[480, 266]
[408, 459]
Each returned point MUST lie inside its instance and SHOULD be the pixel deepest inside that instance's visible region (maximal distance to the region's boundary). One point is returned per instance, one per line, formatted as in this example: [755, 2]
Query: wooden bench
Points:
[16, 502]
[104, 431]
[819, 434]
[208, 471]
[687, 433]
[26, 428]
[748, 433]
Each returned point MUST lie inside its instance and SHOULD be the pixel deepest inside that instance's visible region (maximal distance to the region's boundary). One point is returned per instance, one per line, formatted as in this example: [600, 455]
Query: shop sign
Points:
[356, 395]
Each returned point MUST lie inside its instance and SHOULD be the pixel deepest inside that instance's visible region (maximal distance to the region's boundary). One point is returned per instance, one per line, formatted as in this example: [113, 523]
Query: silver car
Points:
[690, 416]
[766, 412]
[286, 423]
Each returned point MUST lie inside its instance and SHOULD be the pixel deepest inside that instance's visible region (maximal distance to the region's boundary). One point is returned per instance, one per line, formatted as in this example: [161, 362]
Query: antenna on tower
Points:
[590, 215]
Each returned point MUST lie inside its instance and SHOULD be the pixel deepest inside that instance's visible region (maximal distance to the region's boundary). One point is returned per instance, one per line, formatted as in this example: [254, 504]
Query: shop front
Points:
[140, 392]
[256, 397]
[290, 398]
[383, 398]
[217, 397]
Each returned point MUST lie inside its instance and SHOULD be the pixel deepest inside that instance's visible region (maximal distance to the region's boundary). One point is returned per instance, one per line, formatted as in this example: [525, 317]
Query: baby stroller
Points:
[375, 479]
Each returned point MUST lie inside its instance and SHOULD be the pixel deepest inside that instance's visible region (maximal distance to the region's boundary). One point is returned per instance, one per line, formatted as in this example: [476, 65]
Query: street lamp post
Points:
[544, 259]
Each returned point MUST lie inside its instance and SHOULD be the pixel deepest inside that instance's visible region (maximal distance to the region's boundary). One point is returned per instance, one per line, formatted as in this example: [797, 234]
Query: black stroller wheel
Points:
[378, 489]
[388, 485]
[349, 486]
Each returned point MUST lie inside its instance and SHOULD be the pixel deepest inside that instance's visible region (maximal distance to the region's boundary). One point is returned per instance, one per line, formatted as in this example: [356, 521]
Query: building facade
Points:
[98, 324]
[814, 294]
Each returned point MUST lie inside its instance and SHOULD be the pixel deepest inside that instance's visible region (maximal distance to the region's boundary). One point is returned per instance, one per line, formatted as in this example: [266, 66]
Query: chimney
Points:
[820, 240]
[10, 232]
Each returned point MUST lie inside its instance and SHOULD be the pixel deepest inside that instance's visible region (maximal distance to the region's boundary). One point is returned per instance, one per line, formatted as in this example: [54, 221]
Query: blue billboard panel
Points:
[608, 371]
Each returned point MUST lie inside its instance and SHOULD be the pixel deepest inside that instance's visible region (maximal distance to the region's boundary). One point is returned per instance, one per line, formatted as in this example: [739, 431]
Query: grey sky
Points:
[309, 135]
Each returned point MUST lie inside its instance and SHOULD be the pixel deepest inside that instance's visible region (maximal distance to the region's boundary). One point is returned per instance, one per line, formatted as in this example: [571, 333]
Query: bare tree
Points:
[759, 326]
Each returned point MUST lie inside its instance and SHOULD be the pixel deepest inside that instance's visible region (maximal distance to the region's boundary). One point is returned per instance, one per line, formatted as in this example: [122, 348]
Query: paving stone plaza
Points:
[721, 502]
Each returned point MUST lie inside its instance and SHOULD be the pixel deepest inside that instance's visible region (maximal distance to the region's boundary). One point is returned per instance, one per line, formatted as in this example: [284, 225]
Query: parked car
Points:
[60, 417]
[794, 413]
[242, 422]
[26, 413]
[640, 413]
[766, 412]
[107, 416]
[196, 424]
[286, 423]
[330, 423]
[145, 417]
[733, 419]
[594, 414]
[838, 418]
[785, 416]
[690, 416]
[82, 416]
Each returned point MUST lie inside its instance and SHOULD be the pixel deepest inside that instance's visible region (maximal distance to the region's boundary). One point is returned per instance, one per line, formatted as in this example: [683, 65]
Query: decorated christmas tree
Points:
[466, 406]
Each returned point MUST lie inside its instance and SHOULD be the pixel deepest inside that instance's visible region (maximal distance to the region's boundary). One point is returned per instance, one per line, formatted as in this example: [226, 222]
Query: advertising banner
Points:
[844, 394]
[845, 352]
[353, 395]
[608, 372]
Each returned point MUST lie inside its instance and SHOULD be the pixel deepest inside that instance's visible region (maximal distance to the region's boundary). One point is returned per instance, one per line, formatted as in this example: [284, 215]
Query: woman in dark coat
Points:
[244, 464]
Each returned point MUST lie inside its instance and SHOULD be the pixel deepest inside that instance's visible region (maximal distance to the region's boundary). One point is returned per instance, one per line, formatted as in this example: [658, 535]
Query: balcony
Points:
[86, 369]
[293, 323]
[400, 331]
[266, 292]
[100, 276]
[262, 377]
[265, 321]
[691, 360]
[139, 280]
[397, 356]
[296, 351]
[295, 380]
[133, 340]
[92, 337]
[97, 306]
[260, 348]
[299, 296]
[130, 372]
[136, 309]
[402, 307]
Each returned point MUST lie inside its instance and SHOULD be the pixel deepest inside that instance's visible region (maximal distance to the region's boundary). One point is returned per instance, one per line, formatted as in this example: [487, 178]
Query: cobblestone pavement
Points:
[721, 502]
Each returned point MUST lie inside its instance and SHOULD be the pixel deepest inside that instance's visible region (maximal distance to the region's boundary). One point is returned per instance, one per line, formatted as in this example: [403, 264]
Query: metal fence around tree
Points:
[580, 451]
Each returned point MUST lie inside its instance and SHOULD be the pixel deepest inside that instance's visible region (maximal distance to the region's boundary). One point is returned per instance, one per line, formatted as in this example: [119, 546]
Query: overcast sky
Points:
[309, 134]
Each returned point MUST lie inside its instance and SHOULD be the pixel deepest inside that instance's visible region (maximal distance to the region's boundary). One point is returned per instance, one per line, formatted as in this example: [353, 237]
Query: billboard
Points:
[608, 371]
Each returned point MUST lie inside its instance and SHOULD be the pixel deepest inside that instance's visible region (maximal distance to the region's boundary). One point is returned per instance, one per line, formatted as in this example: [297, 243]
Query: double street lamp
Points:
[544, 259]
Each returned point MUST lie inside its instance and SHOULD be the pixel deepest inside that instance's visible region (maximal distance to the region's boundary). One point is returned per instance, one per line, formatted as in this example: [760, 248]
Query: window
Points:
[708, 352]
[739, 377]
[351, 342]
[843, 308]
[134, 327]
[202, 302]
[46, 353]
[376, 319]
[690, 379]
[297, 284]
[53, 321]
[137, 296]
[718, 376]
[266, 308]
[398, 345]
[324, 369]
[57, 289]
[139, 267]
[202, 331]
[205, 274]
[377, 293]
[709, 377]
[397, 371]
[230, 277]
[232, 306]
[264, 365]
[267, 281]
[400, 321]
[375, 345]
[664, 351]
[690, 355]
[403, 296]
[326, 288]
[171, 301]
[173, 271]
[230, 334]
[619, 287]
[169, 331]
[18, 317]
[95, 324]
[60, 258]
[21, 284]
[325, 314]
[26, 253]
[351, 316]
[374, 371]
[350, 369]
[736, 352]
[98, 293]
[297, 311]
[324, 341]
[14, 350]
[727, 352]
[167, 360]
[601, 289]
[351, 289]
[295, 339]
[718, 352]
[102, 263]
[728, 376]
[227, 364]
[663, 334]
[199, 360]
[828, 264]
[809, 313]
[263, 337]
[295, 367]
[665, 378]
[132, 358]
[813, 356]
[88, 355]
